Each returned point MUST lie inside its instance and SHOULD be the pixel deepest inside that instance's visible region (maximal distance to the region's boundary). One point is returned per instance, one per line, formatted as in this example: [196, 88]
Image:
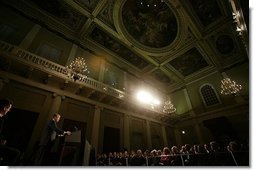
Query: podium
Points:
[72, 148]
[75, 137]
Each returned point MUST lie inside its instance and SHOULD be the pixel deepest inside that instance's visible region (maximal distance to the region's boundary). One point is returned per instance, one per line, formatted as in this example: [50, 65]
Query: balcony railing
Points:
[40, 63]
[52, 68]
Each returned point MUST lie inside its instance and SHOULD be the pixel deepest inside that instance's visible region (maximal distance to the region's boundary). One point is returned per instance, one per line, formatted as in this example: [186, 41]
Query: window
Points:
[209, 95]
[49, 52]
[114, 77]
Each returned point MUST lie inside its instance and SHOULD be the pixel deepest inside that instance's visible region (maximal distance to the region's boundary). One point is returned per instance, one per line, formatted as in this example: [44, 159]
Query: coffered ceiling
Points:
[169, 43]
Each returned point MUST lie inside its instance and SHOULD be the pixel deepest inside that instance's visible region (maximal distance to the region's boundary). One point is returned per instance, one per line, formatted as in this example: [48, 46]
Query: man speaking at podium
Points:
[47, 139]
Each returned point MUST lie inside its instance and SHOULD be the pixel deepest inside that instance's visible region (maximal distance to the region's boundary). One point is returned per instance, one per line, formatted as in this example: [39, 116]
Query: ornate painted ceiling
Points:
[169, 42]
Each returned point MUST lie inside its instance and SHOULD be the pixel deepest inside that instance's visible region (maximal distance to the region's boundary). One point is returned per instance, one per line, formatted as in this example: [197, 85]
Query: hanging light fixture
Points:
[229, 87]
[168, 107]
[77, 69]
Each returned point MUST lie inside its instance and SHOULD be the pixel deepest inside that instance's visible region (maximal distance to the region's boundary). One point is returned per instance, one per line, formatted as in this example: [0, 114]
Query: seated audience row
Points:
[211, 154]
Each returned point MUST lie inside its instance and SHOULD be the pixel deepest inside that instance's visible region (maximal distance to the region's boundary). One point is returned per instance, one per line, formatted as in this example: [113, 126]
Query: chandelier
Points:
[229, 87]
[168, 107]
[77, 69]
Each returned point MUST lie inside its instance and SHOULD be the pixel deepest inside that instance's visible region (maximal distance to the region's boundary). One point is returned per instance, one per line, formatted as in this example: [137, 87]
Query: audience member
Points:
[138, 159]
[8, 156]
[165, 157]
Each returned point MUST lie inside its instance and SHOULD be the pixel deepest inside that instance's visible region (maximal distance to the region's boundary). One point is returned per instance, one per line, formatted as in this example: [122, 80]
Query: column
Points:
[27, 41]
[72, 54]
[96, 127]
[192, 113]
[126, 132]
[164, 136]
[56, 103]
[148, 132]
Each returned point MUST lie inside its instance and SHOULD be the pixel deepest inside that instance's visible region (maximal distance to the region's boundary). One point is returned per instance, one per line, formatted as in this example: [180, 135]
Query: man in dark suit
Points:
[8, 155]
[47, 139]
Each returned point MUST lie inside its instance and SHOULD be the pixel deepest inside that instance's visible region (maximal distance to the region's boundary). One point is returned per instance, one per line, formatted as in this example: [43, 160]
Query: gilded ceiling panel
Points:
[189, 63]
[110, 43]
[228, 51]
[227, 46]
[162, 77]
[89, 5]
[151, 24]
[62, 12]
[106, 15]
[207, 11]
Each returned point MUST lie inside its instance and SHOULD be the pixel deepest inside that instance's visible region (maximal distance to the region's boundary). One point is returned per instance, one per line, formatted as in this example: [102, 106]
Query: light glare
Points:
[156, 102]
[147, 98]
[144, 97]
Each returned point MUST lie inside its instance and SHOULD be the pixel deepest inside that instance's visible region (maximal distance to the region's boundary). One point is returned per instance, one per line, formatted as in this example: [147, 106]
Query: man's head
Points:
[56, 117]
[5, 106]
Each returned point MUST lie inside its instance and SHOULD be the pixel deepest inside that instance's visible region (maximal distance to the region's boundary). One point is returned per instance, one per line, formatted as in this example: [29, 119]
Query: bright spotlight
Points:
[144, 97]
[156, 102]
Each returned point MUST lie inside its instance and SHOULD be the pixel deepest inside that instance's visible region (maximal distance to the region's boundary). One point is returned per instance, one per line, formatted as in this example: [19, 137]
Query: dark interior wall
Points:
[18, 128]
[138, 135]
[28, 100]
[79, 112]
[137, 141]
[190, 135]
[111, 134]
[156, 136]
[241, 126]
[13, 26]
[170, 136]
[111, 140]
[221, 129]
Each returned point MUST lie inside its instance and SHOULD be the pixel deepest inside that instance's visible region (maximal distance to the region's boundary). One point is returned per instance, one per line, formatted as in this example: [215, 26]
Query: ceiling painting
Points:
[208, 11]
[108, 42]
[189, 63]
[62, 12]
[153, 26]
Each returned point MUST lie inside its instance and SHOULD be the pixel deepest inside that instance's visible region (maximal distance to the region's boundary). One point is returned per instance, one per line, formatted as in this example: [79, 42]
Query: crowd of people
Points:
[210, 154]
